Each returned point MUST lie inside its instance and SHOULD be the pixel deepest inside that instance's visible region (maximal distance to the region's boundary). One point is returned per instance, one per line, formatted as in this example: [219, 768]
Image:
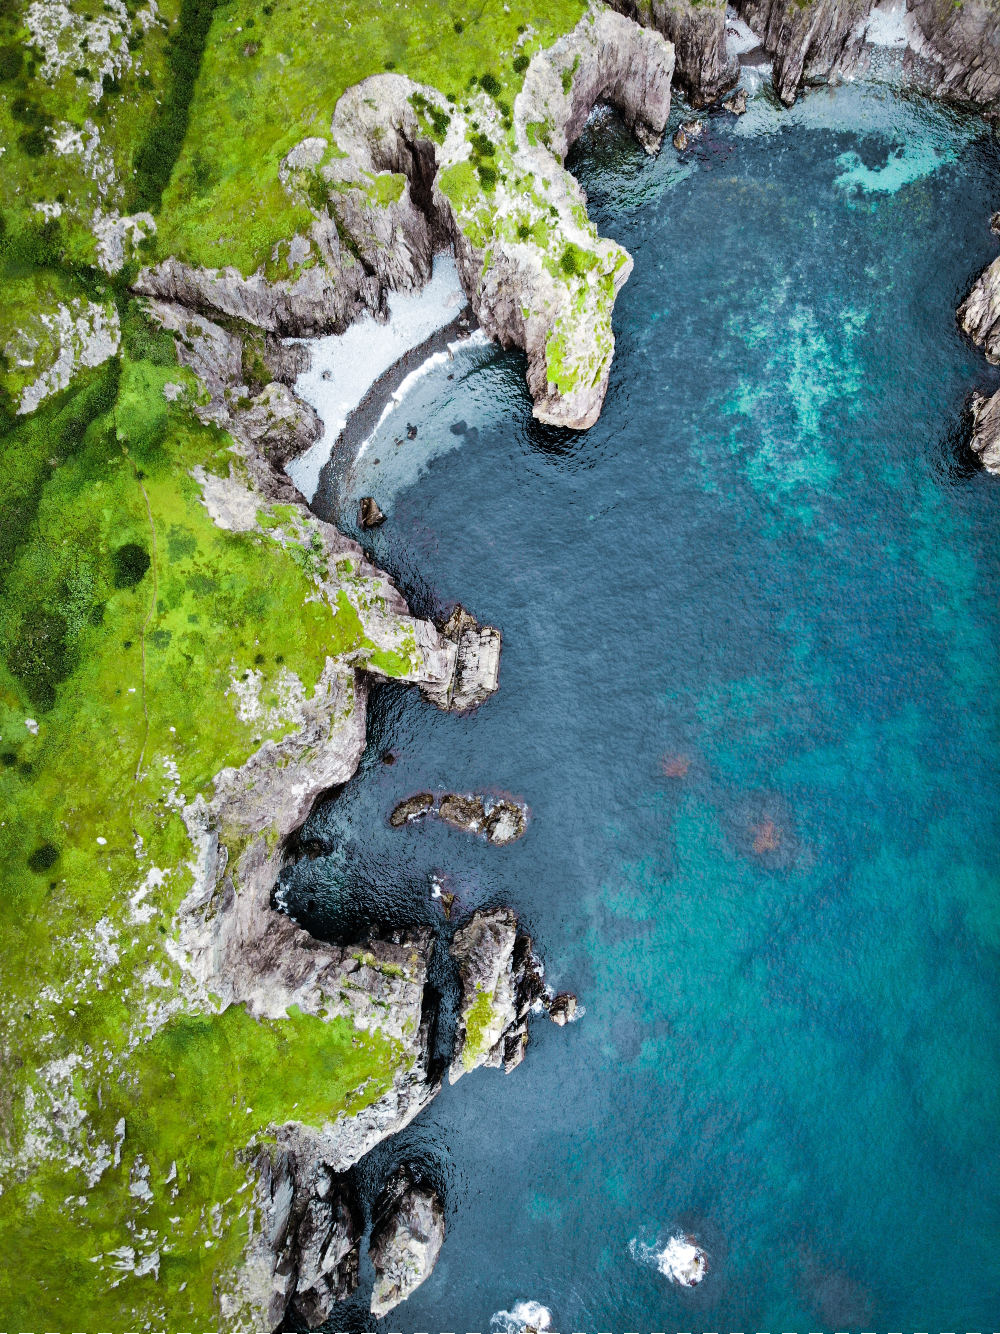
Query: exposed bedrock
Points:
[811, 41]
[304, 1253]
[979, 314]
[962, 44]
[403, 173]
[698, 32]
[501, 980]
[985, 439]
[952, 50]
[406, 1239]
[979, 318]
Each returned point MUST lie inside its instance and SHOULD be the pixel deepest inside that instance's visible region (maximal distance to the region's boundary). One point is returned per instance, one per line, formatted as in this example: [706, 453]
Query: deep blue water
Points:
[748, 691]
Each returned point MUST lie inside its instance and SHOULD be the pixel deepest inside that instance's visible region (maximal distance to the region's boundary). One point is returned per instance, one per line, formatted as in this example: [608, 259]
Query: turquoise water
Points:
[748, 692]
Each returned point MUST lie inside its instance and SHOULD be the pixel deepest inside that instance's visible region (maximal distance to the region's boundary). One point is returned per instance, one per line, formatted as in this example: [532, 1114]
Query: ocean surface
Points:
[749, 693]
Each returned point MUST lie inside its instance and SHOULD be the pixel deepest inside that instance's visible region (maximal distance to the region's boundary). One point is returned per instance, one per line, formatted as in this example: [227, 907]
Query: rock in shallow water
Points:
[501, 980]
[462, 812]
[369, 514]
[737, 102]
[477, 665]
[691, 129]
[406, 1240]
[505, 823]
[562, 1008]
[411, 809]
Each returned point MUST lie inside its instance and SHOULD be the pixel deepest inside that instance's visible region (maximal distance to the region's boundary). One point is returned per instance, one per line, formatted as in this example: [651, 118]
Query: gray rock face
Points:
[698, 32]
[327, 1242]
[979, 314]
[953, 50]
[986, 431]
[279, 424]
[812, 41]
[501, 980]
[405, 1241]
[325, 298]
[477, 667]
[962, 42]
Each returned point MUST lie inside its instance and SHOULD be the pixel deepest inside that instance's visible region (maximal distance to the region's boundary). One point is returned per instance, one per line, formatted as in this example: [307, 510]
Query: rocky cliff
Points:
[703, 68]
[403, 171]
[950, 51]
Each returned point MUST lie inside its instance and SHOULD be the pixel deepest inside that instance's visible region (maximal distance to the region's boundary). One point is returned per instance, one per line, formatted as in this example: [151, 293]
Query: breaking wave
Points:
[679, 1258]
[523, 1316]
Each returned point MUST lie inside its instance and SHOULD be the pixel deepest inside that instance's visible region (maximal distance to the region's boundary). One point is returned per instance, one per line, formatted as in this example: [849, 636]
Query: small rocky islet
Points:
[500, 821]
[188, 649]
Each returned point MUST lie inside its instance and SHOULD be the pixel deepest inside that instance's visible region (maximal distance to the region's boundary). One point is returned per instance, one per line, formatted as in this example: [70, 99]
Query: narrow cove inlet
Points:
[749, 645]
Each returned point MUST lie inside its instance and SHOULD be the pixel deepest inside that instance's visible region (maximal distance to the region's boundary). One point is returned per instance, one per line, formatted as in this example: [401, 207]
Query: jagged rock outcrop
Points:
[275, 424]
[406, 1239]
[985, 440]
[501, 822]
[979, 318]
[407, 172]
[501, 980]
[704, 70]
[962, 46]
[304, 1251]
[328, 1243]
[323, 298]
[369, 514]
[807, 42]
[948, 50]
[979, 314]
[477, 669]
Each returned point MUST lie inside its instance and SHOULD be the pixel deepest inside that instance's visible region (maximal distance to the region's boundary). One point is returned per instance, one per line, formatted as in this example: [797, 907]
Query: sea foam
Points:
[679, 1258]
[345, 366]
[522, 1316]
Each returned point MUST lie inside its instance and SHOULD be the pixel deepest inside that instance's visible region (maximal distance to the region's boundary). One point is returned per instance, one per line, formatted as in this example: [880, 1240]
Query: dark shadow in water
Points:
[955, 458]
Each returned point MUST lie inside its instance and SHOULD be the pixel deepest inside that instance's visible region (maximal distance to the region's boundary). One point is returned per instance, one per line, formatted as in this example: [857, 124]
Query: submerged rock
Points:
[505, 823]
[986, 430]
[736, 102]
[369, 514]
[406, 1240]
[411, 809]
[684, 134]
[462, 812]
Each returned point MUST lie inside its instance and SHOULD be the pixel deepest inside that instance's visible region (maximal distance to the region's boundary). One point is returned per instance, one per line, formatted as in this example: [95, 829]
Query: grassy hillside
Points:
[127, 619]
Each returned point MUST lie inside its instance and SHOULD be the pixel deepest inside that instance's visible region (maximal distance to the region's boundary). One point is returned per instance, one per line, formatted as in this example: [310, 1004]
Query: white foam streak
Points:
[523, 1315]
[679, 1258]
[345, 366]
[476, 339]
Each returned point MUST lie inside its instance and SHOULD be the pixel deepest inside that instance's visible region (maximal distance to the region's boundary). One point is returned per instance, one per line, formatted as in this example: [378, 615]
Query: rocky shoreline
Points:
[303, 1253]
